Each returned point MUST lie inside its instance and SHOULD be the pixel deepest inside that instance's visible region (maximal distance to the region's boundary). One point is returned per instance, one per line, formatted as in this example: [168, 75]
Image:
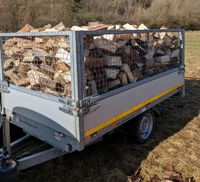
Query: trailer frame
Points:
[79, 105]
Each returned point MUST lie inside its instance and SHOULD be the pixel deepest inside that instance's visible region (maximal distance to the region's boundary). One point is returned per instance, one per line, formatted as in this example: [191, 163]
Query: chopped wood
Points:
[23, 69]
[142, 27]
[8, 64]
[137, 75]
[14, 78]
[40, 53]
[62, 66]
[175, 53]
[64, 56]
[123, 78]
[92, 87]
[28, 56]
[60, 26]
[92, 63]
[35, 77]
[88, 74]
[26, 28]
[112, 73]
[114, 83]
[127, 70]
[77, 28]
[113, 60]
[163, 59]
[106, 45]
[97, 26]
[127, 26]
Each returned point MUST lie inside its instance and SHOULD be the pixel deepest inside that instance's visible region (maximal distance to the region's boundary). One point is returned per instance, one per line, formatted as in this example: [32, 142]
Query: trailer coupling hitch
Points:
[8, 167]
[4, 158]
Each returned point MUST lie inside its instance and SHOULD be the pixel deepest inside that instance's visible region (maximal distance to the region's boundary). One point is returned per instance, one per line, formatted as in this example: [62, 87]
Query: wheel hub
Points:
[146, 126]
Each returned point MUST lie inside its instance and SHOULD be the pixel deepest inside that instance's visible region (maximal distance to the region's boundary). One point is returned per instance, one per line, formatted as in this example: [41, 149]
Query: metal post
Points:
[6, 133]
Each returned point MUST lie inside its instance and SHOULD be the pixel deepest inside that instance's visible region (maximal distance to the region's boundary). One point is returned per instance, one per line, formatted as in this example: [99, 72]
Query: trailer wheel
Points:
[144, 126]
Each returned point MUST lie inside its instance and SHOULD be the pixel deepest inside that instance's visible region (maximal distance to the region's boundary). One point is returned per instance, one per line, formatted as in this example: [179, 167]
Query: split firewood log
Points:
[62, 66]
[93, 63]
[163, 60]
[23, 69]
[108, 45]
[35, 77]
[137, 75]
[97, 26]
[62, 77]
[67, 90]
[47, 70]
[16, 79]
[60, 27]
[8, 64]
[89, 75]
[176, 53]
[26, 28]
[64, 56]
[40, 53]
[11, 51]
[113, 60]
[126, 69]
[123, 78]
[46, 82]
[112, 73]
[142, 27]
[113, 84]
[91, 88]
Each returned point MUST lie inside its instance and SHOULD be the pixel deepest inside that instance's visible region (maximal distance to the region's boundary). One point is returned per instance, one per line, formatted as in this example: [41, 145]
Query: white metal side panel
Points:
[43, 106]
[112, 107]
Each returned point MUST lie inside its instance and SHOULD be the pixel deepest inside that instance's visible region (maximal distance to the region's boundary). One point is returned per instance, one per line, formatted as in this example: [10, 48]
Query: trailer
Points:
[99, 96]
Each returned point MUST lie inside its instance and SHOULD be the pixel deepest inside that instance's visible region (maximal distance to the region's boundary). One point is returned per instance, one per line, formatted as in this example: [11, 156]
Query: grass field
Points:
[175, 144]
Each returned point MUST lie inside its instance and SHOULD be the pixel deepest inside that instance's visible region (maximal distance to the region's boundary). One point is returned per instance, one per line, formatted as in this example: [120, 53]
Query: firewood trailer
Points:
[70, 88]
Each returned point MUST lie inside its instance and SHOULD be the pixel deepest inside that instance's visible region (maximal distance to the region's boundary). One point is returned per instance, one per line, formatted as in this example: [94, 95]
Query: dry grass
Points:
[175, 143]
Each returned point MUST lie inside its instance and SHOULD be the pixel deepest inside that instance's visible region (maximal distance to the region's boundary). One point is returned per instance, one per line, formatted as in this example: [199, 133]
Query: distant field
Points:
[193, 53]
[175, 144]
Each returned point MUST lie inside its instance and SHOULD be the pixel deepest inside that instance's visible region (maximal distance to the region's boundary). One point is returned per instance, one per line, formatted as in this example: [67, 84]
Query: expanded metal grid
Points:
[40, 63]
[115, 60]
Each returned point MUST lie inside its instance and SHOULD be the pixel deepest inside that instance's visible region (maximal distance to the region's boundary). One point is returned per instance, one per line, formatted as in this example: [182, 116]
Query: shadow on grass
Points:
[117, 156]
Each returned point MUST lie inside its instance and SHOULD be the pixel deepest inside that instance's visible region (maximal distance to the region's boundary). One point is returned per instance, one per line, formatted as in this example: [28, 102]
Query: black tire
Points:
[144, 127]
[9, 173]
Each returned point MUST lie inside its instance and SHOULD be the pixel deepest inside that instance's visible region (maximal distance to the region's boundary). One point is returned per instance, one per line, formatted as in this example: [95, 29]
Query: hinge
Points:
[4, 87]
[88, 109]
[78, 108]
[88, 101]
[68, 106]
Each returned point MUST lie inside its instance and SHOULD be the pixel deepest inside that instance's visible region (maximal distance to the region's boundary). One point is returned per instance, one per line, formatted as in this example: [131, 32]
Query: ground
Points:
[175, 142]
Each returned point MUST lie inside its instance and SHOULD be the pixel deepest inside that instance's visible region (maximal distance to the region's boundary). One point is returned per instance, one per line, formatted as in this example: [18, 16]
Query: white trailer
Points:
[71, 123]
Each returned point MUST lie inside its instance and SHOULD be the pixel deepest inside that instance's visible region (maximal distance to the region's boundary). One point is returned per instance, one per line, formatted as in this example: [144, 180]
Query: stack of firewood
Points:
[115, 60]
[111, 61]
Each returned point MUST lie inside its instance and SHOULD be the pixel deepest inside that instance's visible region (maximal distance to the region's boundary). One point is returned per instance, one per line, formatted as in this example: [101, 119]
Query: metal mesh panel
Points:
[38, 63]
[115, 60]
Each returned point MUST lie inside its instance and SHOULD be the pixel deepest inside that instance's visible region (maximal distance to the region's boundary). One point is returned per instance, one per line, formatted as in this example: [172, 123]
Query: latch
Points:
[4, 87]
